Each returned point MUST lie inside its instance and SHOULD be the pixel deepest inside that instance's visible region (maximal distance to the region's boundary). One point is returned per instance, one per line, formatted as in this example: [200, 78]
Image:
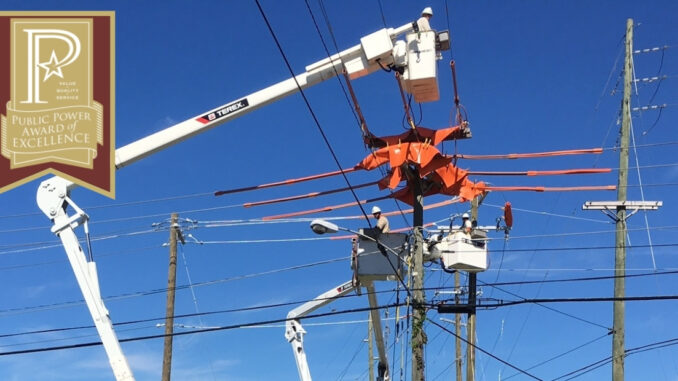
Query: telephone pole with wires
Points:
[457, 327]
[616, 210]
[418, 310]
[471, 320]
[370, 351]
[175, 232]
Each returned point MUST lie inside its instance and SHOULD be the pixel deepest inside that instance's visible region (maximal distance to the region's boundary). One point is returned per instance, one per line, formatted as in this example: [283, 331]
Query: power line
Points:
[260, 307]
[561, 355]
[179, 316]
[327, 51]
[482, 350]
[574, 234]
[597, 364]
[355, 101]
[203, 194]
[131, 203]
[654, 273]
[56, 244]
[163, 290]
[107, 237]
[548, 308]
[62, 339]
[310, 110]
[507, 303]
[210, 329]
[140, 202]
[99, 238]
[573, 269]
[381, 10]
[99, 255]
[546, 213]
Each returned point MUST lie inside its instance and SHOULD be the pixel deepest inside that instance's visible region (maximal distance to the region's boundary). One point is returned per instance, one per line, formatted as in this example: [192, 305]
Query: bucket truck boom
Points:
[375, 51]
[294, 332]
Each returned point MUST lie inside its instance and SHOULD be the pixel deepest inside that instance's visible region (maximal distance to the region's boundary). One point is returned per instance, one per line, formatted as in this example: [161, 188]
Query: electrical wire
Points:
[327, 51]
[163, 290]
[620, 50]
[280, 240]
[482, 350]
[381, 10]
[186, 315]
[183, 333]
[350, 362]
[586, 279]
[642, 198]
[648, 145]
[597, 364]
[99, 255]
[547, 307]
[356, 106]
[94, 239]
[560, 355]
[310, 109]
[507, 303]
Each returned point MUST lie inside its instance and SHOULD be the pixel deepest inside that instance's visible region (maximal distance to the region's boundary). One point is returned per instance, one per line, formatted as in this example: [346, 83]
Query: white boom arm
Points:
[374, 50]
[294, 332]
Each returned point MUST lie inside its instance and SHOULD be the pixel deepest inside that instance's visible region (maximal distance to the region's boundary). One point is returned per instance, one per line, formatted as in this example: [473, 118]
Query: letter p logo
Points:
[42, 47]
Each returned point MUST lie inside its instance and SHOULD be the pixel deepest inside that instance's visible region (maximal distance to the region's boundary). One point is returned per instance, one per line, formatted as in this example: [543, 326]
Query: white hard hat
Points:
[465, 215]
[375, 209]
[427, 11]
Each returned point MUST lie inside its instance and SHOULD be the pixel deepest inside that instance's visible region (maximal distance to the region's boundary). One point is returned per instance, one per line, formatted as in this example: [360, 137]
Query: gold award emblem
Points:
[52, 116]
[51, 120]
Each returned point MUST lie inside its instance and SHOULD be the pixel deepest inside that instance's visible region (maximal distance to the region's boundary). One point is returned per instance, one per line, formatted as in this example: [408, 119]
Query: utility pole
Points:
[619, 216]
[171, 287]
[418, 310]
[457, 326]
[370, 353]
[471, 320]
[620, 235]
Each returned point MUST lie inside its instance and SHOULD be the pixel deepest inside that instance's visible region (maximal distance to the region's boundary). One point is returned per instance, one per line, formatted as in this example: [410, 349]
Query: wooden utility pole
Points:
[171, 287]
[457, 325]
[620, 235]
[621, 206]
[418, 310]
[370, 351]
[471, 320]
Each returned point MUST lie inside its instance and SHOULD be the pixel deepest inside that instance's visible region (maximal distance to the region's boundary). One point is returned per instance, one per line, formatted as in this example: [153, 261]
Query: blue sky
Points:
[533, 76]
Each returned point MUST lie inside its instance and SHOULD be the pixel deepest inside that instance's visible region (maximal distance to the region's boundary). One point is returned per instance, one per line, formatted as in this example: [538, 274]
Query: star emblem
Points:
[51, 67]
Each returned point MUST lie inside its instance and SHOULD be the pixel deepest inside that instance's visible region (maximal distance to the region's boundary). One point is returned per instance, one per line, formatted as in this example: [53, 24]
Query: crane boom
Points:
[375, 51]
[294, 332]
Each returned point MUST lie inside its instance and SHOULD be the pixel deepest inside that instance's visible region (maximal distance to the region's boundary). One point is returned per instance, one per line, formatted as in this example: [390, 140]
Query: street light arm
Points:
[320, 226]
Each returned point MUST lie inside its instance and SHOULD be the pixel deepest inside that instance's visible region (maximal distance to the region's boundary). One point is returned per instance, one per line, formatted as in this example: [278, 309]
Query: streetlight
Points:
[320, 226]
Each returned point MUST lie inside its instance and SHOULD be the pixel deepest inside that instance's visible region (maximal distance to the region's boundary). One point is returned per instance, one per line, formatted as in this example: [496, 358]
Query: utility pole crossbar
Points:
[635, 205]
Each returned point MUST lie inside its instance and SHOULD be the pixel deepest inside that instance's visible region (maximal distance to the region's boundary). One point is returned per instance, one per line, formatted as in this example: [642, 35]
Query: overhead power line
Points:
[277, 305]
[507, 303]
[548, 308]
[597, 364]
[560, 355]
[484, 351]
[183, 333]
[310, 109]
[584, 279]
[181, 287]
